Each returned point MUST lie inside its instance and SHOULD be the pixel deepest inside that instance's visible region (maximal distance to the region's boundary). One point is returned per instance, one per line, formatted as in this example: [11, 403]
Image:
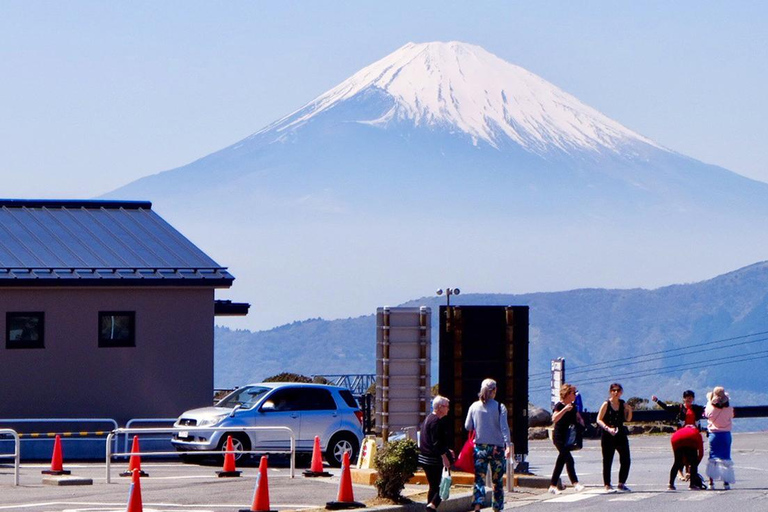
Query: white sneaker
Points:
[624, 488]
[578, 487]
[553, 490]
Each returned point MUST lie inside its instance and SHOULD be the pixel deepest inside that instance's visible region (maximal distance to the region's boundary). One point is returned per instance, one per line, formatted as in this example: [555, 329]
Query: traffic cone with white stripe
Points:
[229, 468]
[134, 494]
[57, 467]
[346, 498]
[135, 460]
[261, 492]
[316, 469]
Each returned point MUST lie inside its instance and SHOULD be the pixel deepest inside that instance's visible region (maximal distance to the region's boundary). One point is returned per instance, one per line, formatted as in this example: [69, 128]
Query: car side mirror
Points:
[268, 406]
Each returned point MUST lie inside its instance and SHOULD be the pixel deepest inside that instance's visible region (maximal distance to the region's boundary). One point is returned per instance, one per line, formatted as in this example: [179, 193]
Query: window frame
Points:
[110, 343]
[22, 344]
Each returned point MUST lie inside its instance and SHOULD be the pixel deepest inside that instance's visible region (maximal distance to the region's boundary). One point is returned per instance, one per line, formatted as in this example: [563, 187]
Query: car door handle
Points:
[294, 416]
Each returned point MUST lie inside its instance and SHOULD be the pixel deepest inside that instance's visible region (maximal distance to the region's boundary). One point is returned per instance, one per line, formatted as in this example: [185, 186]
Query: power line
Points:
[614, 364]
[685, 350]
[669, 369]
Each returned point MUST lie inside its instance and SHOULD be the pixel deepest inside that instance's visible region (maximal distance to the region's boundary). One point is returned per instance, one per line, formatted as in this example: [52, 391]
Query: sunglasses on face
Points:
[615, 389]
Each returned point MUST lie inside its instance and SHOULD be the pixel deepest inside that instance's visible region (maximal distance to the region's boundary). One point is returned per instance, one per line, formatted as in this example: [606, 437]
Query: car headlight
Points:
[211, 422]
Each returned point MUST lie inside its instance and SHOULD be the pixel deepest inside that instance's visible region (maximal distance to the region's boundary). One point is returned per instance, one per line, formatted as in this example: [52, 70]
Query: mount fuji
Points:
[442, 164]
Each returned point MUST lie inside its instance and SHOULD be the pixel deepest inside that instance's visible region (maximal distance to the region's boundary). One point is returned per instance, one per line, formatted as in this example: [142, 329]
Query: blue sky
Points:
[96, 94]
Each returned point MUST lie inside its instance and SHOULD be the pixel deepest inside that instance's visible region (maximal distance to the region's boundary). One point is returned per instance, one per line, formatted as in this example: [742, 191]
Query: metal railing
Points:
[127, 431]
[16, 455]
[73, 435]
[146, 420]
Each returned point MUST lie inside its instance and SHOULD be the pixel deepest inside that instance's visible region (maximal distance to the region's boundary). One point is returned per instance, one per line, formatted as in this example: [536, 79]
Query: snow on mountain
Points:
[463, 87]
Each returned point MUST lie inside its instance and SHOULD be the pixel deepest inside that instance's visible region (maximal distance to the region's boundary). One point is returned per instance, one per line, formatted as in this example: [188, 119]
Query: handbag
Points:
[575, 439]
[445, 484]
[466, 460]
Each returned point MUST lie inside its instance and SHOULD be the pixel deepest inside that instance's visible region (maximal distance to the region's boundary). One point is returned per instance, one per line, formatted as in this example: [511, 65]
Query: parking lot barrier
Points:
[175, 430]
[134, 494]
[261, 491]
[229, 469]
[16, 455]
[135, 462]
[57, 460]
[346, 496]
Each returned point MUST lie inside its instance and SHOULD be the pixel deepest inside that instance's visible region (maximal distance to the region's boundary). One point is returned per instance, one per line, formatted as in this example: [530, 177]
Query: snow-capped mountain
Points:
[463, 88]
[443, 162]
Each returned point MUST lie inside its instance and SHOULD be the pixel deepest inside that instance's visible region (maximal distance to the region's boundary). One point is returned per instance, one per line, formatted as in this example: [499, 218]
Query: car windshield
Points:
[244, 397]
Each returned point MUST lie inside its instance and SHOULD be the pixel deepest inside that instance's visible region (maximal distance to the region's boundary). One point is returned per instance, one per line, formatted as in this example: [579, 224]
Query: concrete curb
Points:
[368, 477]
[460, 502]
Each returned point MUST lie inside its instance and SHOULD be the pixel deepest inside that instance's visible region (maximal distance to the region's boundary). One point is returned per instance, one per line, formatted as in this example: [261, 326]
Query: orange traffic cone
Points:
[135, 460]
[56, 460]
[261, 492]
[229, 468]
[346, 498]
[316, 469]
[134, 494]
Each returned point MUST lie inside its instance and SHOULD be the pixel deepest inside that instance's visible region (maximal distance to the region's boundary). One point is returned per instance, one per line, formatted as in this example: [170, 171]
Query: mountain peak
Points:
[464, 88]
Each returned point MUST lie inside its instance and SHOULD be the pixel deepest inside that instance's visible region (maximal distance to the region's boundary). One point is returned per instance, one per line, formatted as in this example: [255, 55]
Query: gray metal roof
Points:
[98, 243]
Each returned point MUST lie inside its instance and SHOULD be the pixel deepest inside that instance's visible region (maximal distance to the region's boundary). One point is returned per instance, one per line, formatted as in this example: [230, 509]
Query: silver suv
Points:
[308, 409]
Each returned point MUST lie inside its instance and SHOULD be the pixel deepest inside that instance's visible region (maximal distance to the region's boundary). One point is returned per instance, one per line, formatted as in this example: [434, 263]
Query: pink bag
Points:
[466, 460]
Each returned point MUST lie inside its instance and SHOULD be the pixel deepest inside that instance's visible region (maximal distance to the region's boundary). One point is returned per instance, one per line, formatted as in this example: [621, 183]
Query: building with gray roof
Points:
[106, 311]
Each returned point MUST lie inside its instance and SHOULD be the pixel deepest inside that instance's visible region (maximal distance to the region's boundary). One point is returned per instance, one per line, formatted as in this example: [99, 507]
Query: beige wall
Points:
[169, 370]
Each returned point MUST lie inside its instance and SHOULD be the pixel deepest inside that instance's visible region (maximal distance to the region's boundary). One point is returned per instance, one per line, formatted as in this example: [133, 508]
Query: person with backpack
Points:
[565, 418]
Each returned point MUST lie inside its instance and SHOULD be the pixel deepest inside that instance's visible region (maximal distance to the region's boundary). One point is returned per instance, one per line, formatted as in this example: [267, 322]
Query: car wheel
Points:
[339, 444]
[240, 443]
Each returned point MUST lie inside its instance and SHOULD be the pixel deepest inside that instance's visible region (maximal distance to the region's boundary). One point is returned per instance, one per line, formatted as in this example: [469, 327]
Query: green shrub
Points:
[288, 377]
[639, 404]
[396, 463]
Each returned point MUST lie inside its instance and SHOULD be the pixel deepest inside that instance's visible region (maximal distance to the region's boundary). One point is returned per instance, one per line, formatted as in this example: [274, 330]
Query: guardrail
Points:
[146, 420]
[741, 411]
[127, 431]
[82, 436]
[16, 455]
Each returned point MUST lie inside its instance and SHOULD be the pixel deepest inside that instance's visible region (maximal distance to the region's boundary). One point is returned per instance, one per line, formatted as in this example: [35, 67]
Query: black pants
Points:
[564, 458]
[610, 444]
[685, 456]
[434, 474]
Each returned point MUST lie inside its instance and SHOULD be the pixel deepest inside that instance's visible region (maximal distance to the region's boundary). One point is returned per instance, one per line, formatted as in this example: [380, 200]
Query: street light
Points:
[448, 292]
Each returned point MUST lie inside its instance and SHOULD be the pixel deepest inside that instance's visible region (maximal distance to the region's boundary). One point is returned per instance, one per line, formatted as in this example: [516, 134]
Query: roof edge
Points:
[75, 203]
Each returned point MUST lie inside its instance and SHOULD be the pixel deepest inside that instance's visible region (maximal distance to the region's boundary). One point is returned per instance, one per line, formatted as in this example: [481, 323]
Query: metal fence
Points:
[127, 431]
[16, 455]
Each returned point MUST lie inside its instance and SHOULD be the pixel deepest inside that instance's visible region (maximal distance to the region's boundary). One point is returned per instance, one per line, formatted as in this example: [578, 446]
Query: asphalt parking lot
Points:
[174, 486]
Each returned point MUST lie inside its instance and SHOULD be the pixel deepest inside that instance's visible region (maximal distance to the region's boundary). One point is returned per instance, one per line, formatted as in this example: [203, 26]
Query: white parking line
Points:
[633, 496]
[570, 498]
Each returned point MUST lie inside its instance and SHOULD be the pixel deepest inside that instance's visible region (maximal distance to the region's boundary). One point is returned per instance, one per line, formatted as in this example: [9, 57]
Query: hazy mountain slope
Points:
[585, 326]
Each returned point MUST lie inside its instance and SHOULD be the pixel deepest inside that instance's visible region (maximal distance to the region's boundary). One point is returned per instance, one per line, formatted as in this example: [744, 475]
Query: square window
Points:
[25, 330]
[117, 328]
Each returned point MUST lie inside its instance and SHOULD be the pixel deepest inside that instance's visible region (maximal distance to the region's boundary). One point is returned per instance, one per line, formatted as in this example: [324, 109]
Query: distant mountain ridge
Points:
[585, 326]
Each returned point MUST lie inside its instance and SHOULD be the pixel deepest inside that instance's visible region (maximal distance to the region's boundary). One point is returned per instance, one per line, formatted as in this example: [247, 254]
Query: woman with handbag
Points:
[435, 456]
[488, 419]
[611, 417]
[567, 425]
